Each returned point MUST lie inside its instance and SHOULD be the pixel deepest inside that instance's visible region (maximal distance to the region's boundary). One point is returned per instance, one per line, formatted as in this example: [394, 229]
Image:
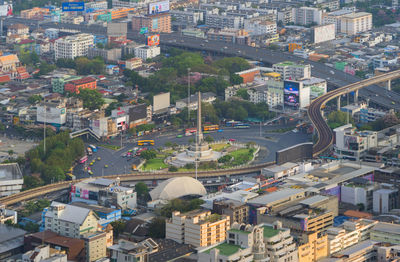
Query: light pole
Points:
[188, 104]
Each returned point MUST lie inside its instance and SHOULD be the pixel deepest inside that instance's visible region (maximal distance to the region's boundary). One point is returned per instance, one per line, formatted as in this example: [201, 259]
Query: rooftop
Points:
[270, 231]
[357, 15]
[275, 196]
[10, 171]
[225, 249]
[387, 228]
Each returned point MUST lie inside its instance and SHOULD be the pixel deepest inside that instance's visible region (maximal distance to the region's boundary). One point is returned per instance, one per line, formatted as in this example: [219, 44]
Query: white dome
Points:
[177, 187]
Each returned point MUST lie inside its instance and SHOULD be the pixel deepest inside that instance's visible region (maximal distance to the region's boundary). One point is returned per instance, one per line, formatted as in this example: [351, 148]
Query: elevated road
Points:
[325, 134]
[44, 190]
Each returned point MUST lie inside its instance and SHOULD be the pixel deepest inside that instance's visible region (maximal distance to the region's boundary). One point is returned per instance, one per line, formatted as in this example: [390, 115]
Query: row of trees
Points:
[52, 164]
[83, 65]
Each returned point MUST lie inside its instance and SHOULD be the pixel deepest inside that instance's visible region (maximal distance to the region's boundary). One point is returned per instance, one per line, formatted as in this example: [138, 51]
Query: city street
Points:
[269, 142]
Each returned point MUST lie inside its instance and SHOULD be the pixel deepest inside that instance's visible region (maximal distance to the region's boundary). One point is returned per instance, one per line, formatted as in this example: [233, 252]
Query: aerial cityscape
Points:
[199, 130]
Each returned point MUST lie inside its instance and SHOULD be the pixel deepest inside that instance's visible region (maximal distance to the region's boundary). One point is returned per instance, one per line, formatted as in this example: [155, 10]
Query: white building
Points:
[51, 33]
[224, 21]
[8, 215]
[70, 221]
[318, 86]
[355, 194]
[73, 46]
[207, 97]
[145, 52]
[335, 18]
[187, 17]
[96, 5]
[11, 179]
[51, 114]
[260, 27]
[355, 23]
[284, 170]
[307, 15]
[44, 253]
[292, 71]
[385, 199]
[130, 251]
[353, 145]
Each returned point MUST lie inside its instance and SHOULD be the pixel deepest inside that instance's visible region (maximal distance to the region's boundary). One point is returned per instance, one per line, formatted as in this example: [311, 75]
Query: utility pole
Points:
[188, 104]
[121, 138]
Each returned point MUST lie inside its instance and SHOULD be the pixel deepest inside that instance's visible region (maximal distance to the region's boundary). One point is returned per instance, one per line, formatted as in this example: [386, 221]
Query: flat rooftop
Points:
[225, 249]
[10, 171]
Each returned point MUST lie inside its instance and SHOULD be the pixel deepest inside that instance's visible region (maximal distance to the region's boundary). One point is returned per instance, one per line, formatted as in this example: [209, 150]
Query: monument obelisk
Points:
[199, 132]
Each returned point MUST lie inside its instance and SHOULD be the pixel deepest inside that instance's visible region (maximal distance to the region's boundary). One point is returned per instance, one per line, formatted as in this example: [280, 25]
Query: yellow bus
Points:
[210, 127]
[145, 142]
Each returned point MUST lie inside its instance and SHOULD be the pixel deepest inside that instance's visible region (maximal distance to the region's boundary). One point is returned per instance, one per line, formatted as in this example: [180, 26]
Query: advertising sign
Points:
[73, 6]
[153, 40]
[6, 10]
[144, 30]
[158, 7]
[291, 93]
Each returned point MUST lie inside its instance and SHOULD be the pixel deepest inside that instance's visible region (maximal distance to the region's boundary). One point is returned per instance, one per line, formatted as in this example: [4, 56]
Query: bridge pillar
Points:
[338, 103]
[356, 96]
[389, 84]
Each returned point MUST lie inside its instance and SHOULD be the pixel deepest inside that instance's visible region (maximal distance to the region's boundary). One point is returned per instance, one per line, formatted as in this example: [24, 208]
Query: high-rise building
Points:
[160, 23]
[73, 46]
[356, 23]
[307, 15]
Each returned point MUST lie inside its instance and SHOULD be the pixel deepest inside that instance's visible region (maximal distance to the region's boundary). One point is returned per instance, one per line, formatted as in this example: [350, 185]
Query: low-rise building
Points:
[69, 220]
[237, 211]
[8, 215]
[74, 86]
[313, 247]
[386, 232]
[11, 241]
[198, 228]
[44, 253]
[133, 63]
[11, 179]
[147, 52]
[385, 199]
[130, 251]
[355, 23]
[292, 71]
[95, 245]
[110, 55]
[207, 97]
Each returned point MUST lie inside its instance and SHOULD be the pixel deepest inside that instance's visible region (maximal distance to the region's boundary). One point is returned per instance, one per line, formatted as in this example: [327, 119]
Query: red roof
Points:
[357, 214]
[25, 41]
[84, 80]
[5, 78]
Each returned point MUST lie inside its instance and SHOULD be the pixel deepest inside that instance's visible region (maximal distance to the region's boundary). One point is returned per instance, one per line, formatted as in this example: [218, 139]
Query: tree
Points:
[46, 68]
[34, 99]
[209, 139]
[338, 118]
[32, 182]
[235, 79]
[232, 64]
[157, 228]
[172, 169]
[148, 154]
[168, 144]
[242, 92]
[52, 174]
[92, 99]
[118, 227]
[10, 153]
[225, 159]
[141, 189]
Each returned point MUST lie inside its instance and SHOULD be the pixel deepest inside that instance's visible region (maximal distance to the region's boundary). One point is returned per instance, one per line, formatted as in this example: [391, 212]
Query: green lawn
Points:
[220, 147]
[154, 164]
[226, 249]
[241, 156]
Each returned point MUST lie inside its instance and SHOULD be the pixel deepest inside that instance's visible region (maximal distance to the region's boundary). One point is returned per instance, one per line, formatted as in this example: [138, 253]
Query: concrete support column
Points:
[338, 103]
[356, 96]
[389, 85]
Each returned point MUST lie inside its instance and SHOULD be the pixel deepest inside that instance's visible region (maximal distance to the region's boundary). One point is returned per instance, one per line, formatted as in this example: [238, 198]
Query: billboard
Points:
[6, 10]
[323, 33]
[294, 153]
[144, 30]
[73, 6]
[158, 7]
[161, 102]
[291, 92]
[153, 40]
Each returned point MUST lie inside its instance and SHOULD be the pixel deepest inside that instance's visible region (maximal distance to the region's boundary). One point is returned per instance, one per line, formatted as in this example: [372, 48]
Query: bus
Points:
[94, 148]
[83, 159]
[242, 126]
[232, 123]
[145, 142]
[89, 151]
[70, 176]
[210, 127]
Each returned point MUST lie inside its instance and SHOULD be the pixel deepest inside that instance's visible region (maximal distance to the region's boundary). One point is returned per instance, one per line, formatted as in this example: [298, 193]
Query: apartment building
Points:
[349, 234]
[385, 199]
[237, 211]
[335, 18]
[96, 5]
[69, 221]
[18, 29]
[313, 247]
[11, 179]
[307, 15]
[266, 94]
[199, 228]
[74, 86]
[351, 144]
[76, 20]
[133, 63]
[7, 215]
[188, 18]
[292, 71]
[224, 21]
[358, 192]
[160, 23]
[52, 111]
[130, 251]
[110, 55]
[355, 23]
[259, 27]
[386, 232]
[263, 242]
[73, 46]
[34, 13]
[146, 52]
[95, 245]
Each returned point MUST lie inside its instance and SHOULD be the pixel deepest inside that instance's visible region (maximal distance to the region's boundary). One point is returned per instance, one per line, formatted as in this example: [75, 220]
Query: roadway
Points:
[325, 134]
[334, 77]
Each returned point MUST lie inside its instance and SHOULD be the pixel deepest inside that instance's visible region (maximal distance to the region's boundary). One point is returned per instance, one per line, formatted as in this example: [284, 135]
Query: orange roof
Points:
[271, 189]
[5, 78]
[9, 59]
[357, 214]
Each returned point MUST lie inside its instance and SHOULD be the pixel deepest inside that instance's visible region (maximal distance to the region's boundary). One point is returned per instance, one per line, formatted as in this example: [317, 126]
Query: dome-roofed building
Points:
[177, 187]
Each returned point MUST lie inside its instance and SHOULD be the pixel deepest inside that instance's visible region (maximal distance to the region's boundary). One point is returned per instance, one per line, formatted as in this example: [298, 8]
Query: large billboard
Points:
[6, 10]
[291, 91]
[153, 40]
[295, 153]
[158, 7]
[161, 101]
[73, 6]
[323, 33]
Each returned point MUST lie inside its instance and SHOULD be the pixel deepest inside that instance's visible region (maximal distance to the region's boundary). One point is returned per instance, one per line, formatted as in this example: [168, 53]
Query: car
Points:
[179, 136]
[220, 130]
[225, 47]
[105, 166]
[91, 164]
[99, 158]
[206, 41]
[232, 140]
[90, 172]
[393, 103]
[201, 44]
